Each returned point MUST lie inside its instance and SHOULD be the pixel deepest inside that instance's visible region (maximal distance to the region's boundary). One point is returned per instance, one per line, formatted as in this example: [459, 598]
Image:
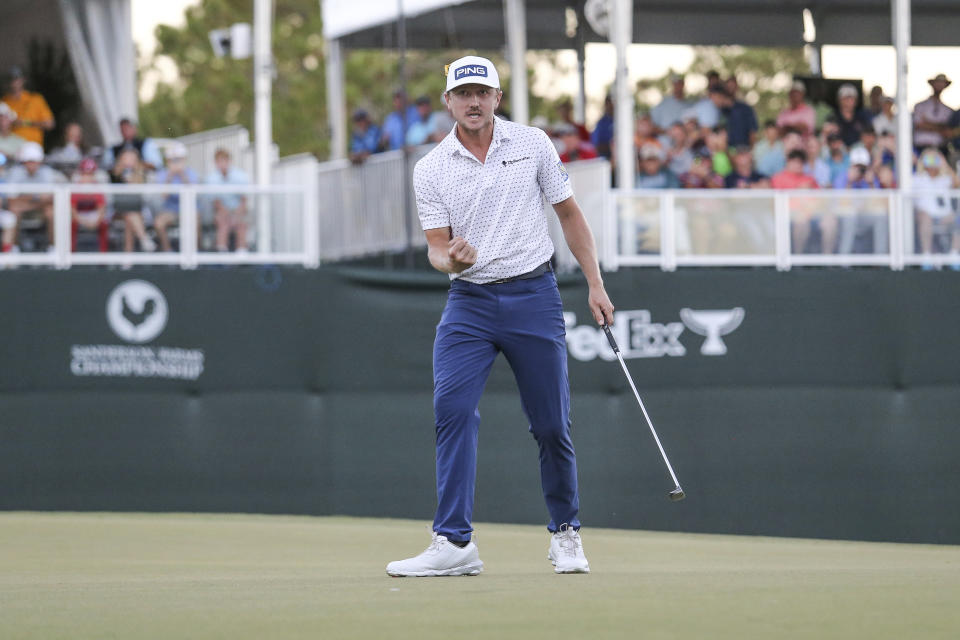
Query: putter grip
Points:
[610, 339]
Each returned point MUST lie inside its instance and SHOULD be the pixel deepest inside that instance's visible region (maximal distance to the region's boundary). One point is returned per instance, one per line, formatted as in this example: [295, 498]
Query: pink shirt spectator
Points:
[803, 118]
[789, 180]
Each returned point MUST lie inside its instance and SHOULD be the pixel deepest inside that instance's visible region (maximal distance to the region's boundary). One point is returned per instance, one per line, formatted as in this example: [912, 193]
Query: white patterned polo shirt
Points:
[497, 205]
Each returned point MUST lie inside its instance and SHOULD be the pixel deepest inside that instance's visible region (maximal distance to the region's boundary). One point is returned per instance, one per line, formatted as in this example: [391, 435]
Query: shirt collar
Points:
[501, 133]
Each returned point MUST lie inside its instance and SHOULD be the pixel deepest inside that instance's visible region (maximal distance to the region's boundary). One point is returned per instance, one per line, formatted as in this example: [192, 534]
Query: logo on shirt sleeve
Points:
[563, 170]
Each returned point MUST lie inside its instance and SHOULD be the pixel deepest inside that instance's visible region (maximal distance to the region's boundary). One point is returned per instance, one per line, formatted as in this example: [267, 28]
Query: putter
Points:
[677, 493]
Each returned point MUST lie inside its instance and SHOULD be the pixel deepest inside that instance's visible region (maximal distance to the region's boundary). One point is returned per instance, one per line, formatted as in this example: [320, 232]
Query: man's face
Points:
[128, 130]
[73, 134]
[399, 101]
[796, 98]
[848, 102]
[644, 127]
[223, 163]
[792, 141]
[362, 124]
[795, 165]
[868, 139]
[938, 86]
[771, 134]
[424, 110]
[31, 167]
[473, 105]
[743, 163]
[16, 85]
[813, 147]
[651, 165]
[677, 134]
[701, 166]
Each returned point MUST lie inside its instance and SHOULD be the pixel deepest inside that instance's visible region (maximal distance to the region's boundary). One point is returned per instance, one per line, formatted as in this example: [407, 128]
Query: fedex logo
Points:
[470, 70]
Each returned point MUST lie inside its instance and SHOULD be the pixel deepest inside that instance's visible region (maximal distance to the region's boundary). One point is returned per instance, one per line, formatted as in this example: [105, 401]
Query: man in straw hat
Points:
[931, 118]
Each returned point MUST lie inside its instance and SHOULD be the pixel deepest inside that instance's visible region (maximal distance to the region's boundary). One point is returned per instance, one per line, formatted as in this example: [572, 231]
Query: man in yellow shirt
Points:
[34, 116]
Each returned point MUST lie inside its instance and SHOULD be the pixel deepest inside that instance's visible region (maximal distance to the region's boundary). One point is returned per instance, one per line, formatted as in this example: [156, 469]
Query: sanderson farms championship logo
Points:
[137, 312]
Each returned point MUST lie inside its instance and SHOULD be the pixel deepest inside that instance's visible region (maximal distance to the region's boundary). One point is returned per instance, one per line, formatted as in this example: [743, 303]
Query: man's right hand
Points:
[462, 255]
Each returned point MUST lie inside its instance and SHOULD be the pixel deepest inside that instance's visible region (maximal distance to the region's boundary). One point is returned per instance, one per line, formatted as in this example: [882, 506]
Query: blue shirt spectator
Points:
[226, 174]
[365, 138]
[653, 174]
[422, 128]
[394, 128]
[837, 159]
[602, 134]
[706, 113]
[672, 107]
[176, 173]
[858, 175]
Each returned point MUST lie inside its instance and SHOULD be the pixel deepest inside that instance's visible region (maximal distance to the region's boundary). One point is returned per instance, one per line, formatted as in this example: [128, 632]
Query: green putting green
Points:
[71, 575]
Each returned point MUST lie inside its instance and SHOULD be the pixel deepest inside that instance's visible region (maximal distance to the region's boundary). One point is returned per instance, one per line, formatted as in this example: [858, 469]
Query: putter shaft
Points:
[616, 349]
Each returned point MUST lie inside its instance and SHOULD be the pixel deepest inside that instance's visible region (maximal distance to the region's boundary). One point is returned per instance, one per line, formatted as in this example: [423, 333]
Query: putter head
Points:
[677, 494]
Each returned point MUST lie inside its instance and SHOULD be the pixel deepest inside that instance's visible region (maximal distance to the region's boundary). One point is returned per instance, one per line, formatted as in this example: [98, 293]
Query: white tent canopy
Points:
[100, 43]
[341, 18]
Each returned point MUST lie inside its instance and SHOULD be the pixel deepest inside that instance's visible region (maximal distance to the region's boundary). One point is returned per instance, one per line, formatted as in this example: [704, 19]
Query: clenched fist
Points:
[462, 255]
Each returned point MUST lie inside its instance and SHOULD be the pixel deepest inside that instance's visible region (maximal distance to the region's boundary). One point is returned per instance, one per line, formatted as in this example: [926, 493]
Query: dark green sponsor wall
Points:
[832, 413]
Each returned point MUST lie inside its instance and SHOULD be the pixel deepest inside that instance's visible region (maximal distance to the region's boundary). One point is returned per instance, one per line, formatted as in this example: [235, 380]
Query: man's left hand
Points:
[600, 305]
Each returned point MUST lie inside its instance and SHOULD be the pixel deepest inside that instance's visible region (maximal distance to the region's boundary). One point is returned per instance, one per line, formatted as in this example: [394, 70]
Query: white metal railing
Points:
[361, 207]
[839, 227]
[268, 210]
[318, 212]
[202, 146]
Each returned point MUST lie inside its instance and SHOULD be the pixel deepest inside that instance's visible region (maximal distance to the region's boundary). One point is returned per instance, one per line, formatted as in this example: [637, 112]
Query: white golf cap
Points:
[176, 150]
[859, 155]
[472, 70]
[847, 90]
[30, 152]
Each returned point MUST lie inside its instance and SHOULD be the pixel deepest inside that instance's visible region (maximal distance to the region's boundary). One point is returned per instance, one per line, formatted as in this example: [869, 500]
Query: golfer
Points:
[480, 200]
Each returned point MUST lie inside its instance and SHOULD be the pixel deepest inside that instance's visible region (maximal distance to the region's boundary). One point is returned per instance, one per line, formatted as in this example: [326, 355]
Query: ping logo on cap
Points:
[470, 70]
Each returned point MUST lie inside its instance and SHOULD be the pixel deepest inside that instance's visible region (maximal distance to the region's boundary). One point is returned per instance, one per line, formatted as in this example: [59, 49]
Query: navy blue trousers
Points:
[524, 320]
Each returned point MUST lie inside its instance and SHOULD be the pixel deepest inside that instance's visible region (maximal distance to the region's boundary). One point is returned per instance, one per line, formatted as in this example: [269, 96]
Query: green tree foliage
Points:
[214, 92]
[764, 75]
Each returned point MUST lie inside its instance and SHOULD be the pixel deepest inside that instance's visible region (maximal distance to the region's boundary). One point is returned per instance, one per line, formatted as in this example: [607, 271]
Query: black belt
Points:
[536, 273]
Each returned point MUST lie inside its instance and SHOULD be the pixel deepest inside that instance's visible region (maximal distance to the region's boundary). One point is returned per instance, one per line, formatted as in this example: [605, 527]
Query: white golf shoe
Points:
[566, 552]
[441, 558]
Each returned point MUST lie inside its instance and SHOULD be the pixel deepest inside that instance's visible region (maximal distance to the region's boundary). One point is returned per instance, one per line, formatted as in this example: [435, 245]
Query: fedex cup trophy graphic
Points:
[712, 323]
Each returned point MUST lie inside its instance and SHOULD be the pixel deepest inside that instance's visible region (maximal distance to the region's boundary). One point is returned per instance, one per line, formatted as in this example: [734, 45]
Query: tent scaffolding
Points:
[518, 25]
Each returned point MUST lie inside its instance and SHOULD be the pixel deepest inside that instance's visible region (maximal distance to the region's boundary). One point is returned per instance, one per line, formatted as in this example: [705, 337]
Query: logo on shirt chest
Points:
[507, 163]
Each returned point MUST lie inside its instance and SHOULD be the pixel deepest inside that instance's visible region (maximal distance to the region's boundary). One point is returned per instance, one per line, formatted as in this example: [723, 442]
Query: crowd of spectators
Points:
[710, 141]
[715, 141]
[125, 221]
